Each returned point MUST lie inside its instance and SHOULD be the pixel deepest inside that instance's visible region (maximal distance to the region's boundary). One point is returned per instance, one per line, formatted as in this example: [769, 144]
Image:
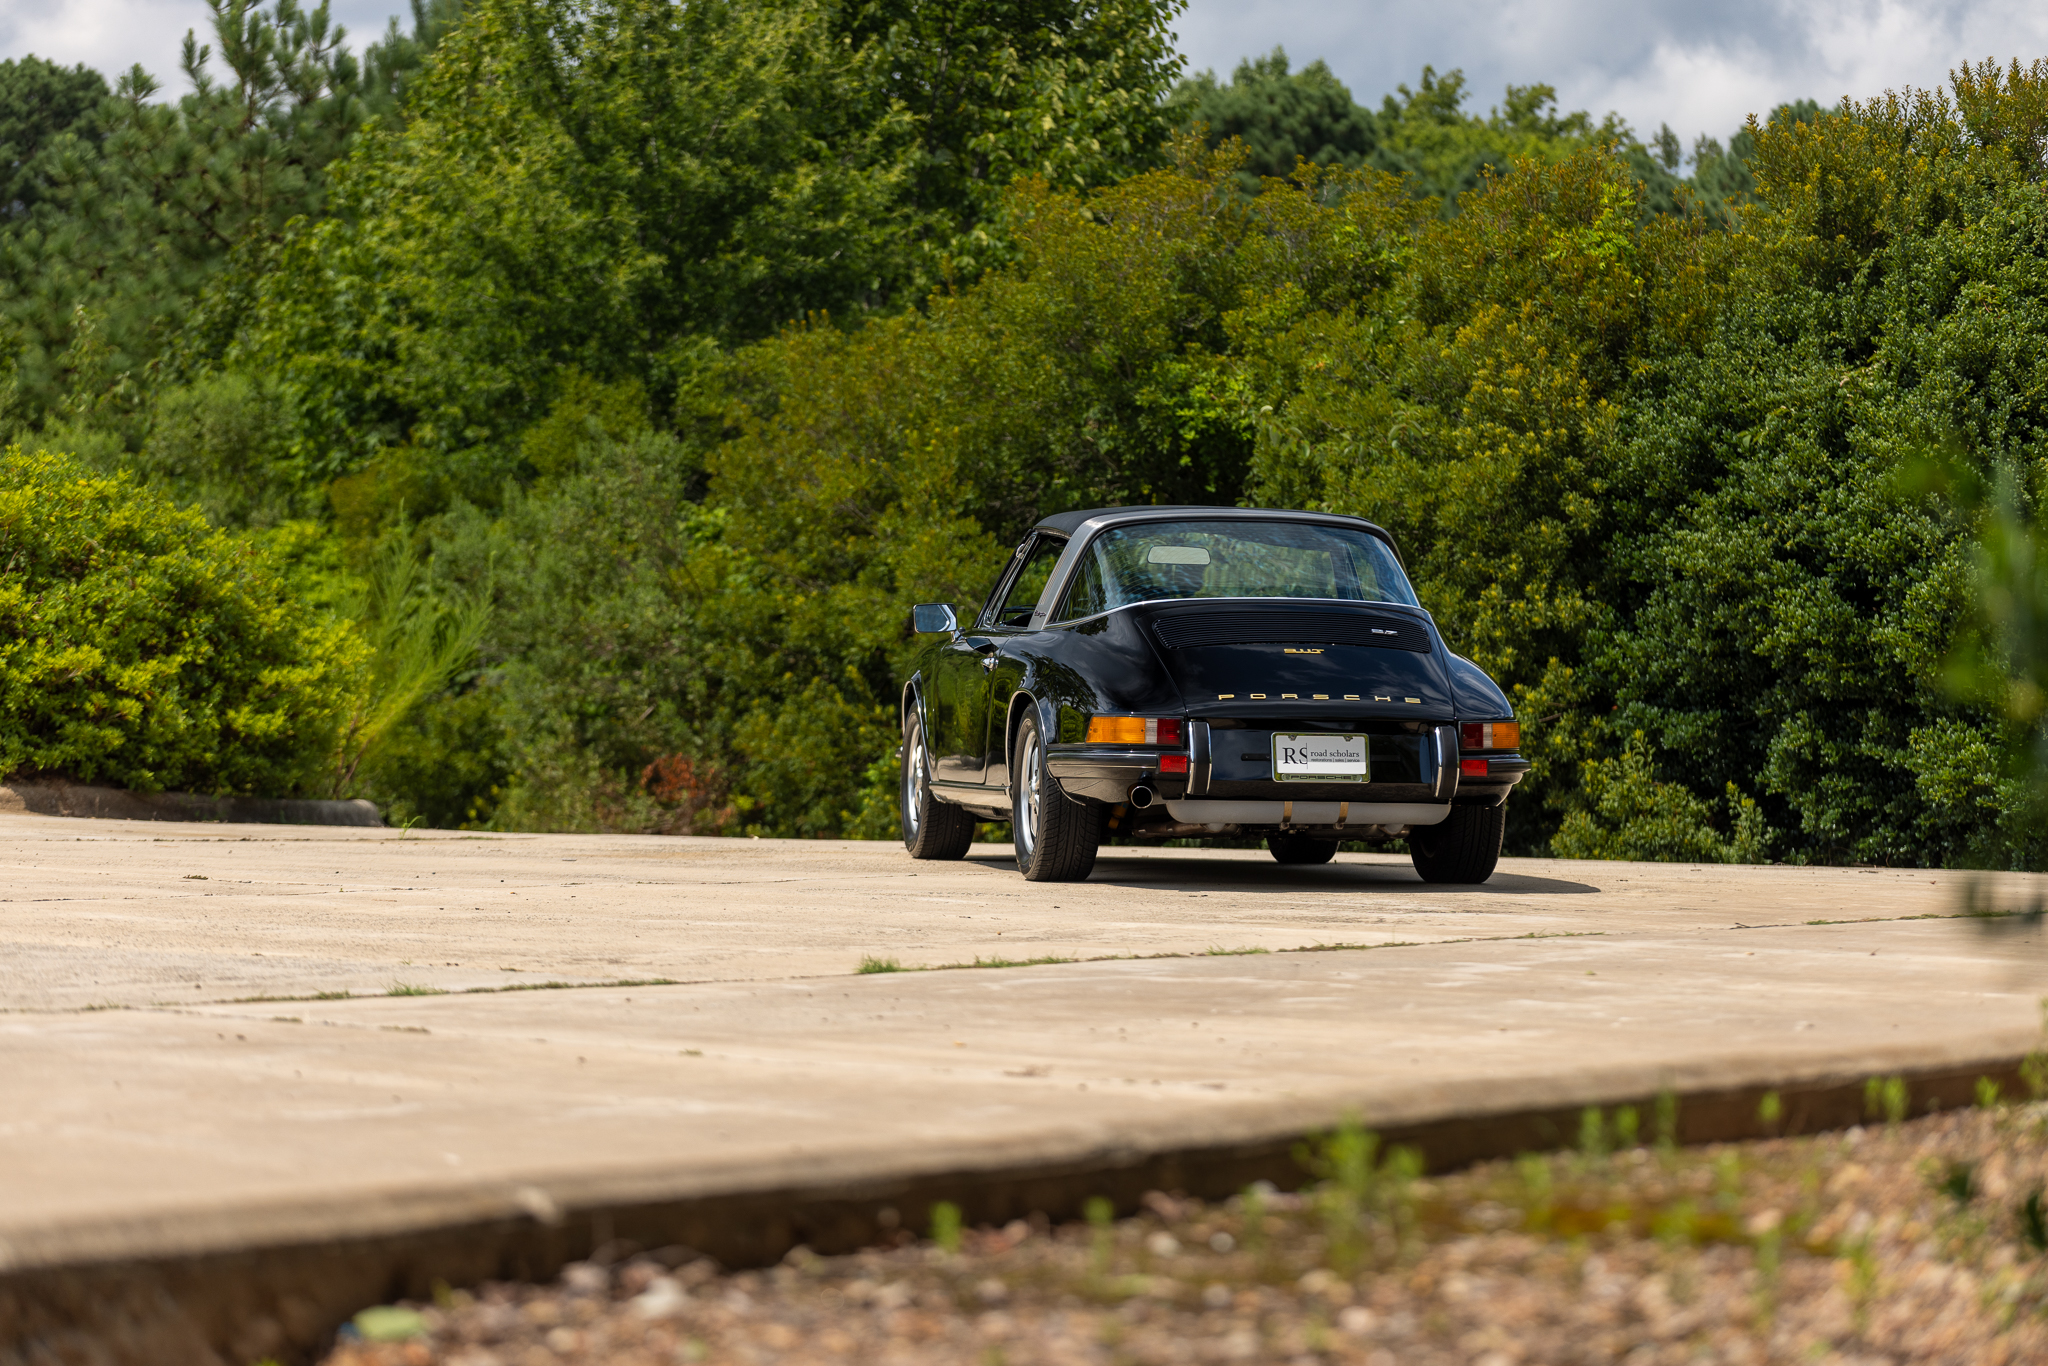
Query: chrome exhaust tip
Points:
[1142, 796]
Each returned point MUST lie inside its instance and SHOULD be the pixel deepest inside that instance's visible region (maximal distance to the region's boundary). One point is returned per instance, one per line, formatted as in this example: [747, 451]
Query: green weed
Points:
[946, 1226]
[1958, 1181]
[1667, 1122]
[2033, 1221]
[1885, 1096]
[1101, 1217]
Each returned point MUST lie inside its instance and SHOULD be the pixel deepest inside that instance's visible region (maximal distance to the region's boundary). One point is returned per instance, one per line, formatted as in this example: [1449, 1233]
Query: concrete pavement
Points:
[96, 913]
[156, 1121]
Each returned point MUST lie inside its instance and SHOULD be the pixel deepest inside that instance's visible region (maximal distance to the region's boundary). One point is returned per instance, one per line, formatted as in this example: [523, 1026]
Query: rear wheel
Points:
[1463, 847]
[931, 828]
[1289, 847]
[1056, 836]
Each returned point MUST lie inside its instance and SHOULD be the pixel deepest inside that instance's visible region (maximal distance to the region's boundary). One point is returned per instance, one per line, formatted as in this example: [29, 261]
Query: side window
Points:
[1021, 597]
[1086, 595]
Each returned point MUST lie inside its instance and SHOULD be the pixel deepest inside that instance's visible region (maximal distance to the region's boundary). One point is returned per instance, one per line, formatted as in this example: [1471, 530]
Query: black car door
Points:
[958, 699]
[1008, 617]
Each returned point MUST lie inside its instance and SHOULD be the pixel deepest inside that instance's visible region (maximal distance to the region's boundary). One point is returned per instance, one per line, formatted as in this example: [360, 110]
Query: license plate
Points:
[1322, 758]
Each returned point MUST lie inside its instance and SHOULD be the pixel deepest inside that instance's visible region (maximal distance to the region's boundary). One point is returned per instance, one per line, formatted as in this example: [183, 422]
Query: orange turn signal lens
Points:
[1490, 735]
[1134, 730]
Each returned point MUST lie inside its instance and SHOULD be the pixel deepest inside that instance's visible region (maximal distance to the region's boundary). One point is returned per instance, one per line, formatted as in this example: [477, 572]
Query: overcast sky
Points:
[1699, 66]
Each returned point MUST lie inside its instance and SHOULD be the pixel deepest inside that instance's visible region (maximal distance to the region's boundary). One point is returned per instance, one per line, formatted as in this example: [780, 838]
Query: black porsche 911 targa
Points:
[1174, 672]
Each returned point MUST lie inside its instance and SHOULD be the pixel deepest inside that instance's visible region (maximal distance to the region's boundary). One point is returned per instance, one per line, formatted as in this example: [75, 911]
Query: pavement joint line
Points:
[176, 1007]
[1050, 961]
[979, 963]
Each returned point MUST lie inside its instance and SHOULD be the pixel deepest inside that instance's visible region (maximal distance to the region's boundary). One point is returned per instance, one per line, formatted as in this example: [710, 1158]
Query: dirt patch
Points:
[1902, 1242]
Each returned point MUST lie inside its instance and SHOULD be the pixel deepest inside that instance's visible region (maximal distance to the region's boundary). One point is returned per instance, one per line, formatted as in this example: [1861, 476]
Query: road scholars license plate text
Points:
[1322, 758]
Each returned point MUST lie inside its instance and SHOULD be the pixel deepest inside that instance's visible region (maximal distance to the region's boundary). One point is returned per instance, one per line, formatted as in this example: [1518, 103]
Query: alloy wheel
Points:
[913, 783]
[1030, 792]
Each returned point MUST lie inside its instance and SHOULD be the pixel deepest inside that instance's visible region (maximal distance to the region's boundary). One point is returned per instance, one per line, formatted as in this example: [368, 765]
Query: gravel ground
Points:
[1903, 1242]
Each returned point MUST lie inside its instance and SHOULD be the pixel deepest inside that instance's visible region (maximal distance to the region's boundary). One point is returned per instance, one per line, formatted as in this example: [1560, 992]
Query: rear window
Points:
[1233, 559]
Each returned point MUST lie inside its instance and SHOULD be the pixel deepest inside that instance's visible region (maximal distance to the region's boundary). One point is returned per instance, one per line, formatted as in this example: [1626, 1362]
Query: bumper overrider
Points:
[1202, 789]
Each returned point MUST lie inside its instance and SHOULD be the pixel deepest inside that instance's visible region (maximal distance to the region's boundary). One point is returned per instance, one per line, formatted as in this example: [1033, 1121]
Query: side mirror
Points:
[933, 618]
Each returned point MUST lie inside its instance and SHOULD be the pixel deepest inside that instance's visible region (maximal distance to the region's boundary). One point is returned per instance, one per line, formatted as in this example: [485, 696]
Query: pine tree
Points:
[1282, 116]
[39, 102]
[139, 204]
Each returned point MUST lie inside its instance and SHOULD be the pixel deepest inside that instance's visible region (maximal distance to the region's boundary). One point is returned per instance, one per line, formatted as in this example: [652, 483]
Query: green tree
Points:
[1424, 133]
[1066, 90]
[599, 705]
[137, 219]
[395, 62]
[1281, 117]
[1789, 622]
[1721, 179]
[1479, 410]
[605, 188]
[39, 102]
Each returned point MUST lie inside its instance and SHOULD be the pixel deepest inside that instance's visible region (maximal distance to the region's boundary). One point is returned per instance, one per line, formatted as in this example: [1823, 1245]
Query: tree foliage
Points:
[39, 102]
[137, 216]
[1481, 414]
[610, 186]
[1792, 618]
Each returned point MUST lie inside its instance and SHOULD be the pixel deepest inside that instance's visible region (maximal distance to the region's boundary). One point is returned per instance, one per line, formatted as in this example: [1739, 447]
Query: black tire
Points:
[1463, 847]
[932, 827]
[1056, 836]
[1294, 848]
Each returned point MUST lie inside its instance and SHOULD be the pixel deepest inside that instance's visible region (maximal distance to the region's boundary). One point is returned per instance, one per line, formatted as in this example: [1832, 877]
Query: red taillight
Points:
[1135, 730]
[1173, 763]
[1472, 768]
[1490, 735]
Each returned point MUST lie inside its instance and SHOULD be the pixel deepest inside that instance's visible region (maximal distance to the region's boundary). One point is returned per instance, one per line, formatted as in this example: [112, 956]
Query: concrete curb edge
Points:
[57, 798]
[234, 1306]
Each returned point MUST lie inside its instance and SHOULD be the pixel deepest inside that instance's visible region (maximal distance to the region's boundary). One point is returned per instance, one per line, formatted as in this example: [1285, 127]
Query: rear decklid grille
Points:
[1289, 626]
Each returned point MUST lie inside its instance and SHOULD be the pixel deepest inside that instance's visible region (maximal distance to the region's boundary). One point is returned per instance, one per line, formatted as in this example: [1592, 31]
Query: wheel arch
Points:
[1021, 702]
[912, 701]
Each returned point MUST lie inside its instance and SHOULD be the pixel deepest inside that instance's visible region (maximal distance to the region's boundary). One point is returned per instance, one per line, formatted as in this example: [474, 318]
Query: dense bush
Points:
[141, 648]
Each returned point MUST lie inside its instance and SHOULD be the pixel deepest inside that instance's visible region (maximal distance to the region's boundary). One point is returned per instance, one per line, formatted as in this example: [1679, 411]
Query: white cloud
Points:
[113, 35]
[1702, 67]
[1699, 67]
